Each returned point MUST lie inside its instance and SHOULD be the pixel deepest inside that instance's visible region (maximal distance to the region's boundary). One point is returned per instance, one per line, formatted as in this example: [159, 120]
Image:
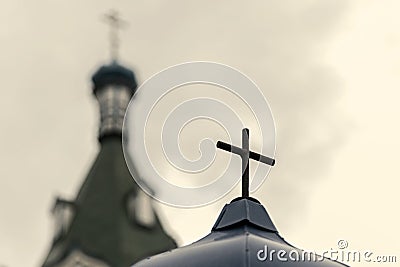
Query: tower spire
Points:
[113, 19]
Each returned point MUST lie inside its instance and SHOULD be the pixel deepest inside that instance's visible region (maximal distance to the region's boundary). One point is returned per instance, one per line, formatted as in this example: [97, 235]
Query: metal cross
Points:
[116, 23]
[245, 153]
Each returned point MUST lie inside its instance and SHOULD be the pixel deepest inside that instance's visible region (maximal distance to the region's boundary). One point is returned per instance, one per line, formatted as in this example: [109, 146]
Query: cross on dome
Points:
[246, 154]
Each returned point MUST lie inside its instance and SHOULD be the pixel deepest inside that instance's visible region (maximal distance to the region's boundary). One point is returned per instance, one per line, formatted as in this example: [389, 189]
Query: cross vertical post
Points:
[245, 154]
[245, 162]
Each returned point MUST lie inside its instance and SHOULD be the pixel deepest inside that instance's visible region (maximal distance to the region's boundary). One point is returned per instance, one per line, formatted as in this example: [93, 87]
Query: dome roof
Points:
[243, 235]
[116, 74]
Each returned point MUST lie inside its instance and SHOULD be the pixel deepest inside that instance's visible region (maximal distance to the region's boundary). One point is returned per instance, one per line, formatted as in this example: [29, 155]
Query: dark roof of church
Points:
[240, 232]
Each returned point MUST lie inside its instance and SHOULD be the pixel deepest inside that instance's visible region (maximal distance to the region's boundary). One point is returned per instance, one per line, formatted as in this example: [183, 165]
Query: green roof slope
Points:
[101, 227]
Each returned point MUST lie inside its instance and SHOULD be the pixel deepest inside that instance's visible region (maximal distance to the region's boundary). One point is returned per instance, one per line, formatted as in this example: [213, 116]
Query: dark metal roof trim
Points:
[244, 211]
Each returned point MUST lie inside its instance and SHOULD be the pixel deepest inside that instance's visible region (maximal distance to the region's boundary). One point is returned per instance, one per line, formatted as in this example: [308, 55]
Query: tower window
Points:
[63, 213]
[140, 209]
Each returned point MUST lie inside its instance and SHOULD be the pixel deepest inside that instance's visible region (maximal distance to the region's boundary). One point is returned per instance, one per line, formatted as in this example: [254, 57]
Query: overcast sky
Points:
[329, 69]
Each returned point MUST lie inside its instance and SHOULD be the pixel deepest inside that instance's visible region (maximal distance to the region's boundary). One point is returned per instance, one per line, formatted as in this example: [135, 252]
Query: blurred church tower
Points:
[112, 221]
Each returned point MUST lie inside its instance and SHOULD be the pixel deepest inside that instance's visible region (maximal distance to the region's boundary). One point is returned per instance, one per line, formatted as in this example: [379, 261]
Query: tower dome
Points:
[116, 74]
[113, 86]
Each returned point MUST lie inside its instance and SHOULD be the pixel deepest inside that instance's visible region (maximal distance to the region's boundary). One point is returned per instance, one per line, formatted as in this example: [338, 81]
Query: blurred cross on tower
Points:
[112, 18]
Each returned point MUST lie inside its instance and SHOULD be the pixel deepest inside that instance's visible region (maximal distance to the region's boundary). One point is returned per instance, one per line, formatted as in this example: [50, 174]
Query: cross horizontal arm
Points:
[229, 148]
[262, 158]
[239, 151]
